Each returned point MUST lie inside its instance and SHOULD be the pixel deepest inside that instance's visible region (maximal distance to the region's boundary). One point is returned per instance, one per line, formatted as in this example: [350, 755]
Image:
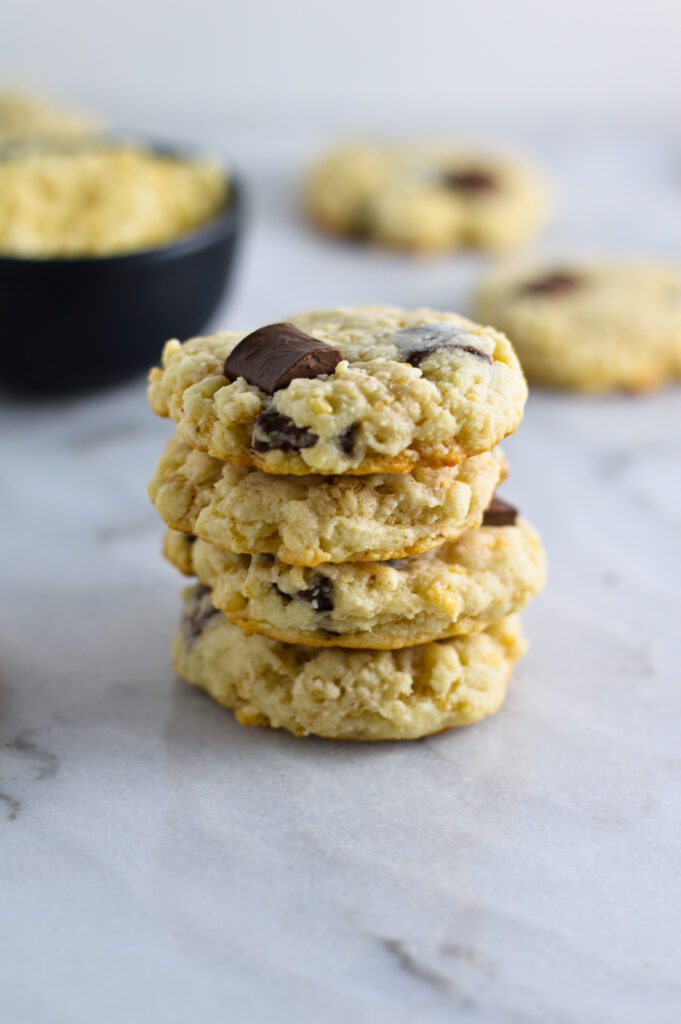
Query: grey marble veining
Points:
[159, 862]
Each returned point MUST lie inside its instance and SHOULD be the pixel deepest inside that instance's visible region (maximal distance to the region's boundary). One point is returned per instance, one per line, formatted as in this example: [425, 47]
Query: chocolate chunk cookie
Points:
[458, 588]
[310, 520]
[342, 694]
[410, 388]
[590, 327]
[426, 198]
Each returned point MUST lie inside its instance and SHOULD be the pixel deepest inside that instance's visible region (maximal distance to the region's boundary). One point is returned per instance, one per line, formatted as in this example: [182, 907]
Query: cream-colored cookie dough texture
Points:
[453, 405]
[25, 118]
[427, 198]
[102, 200]
[311, 520]
[589, 327]
[341, 694]
[461, 587]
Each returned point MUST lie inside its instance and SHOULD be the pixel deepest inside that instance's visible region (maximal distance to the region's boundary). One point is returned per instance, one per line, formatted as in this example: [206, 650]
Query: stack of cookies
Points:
[332, 487]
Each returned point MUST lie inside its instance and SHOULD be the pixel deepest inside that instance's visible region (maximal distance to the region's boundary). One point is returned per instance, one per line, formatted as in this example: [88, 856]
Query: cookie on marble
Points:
[357, 390]
[310, 520]
[341, 694]
[458, 588]
[590, 327]
[426, 198]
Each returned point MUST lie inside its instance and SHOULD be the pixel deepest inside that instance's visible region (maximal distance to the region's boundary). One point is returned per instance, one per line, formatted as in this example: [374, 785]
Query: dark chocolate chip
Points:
[560, 282]
[417, 343]
[474, 179]
[319, 594]
[273, 356]
[346, 440]
[201, 611]
[275, 432]
[416, 358]
[499, 513]
[362, 224]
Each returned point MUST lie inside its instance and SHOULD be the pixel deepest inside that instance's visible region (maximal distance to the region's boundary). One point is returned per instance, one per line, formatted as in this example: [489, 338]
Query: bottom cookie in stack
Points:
[341, 693]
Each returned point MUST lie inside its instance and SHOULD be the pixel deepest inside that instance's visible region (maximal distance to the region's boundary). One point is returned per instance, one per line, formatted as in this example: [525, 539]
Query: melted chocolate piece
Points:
[417, 343]
[499, 513]
[559, 282]
[319, 594]
[202, 611]
[416, 358]
[346, 440]
[273, 356]
[276, 432]
[475, 179]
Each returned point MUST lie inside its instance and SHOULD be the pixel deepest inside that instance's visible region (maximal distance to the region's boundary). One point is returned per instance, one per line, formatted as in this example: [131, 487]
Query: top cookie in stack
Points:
[347, 391]
[358, 440]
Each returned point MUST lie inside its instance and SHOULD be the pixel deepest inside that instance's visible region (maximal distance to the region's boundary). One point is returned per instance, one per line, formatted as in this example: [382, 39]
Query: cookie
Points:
[29, 119]
[310, 520]
[426, 198]
[590, 327]
[354, 390]
[458, 588]
[341, 694]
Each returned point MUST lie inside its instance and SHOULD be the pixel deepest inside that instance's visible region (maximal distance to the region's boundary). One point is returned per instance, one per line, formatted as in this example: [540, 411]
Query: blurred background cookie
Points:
[590, 326]
[27, 118]
[427, 198]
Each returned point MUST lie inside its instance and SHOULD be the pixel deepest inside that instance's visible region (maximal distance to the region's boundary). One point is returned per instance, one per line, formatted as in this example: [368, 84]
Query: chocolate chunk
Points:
[417, 343]
[273, 356]
[559, 282]
[362, 223]
[499, 513]
[319, 594]
[416, 358]
[275, 432]
[474, 179]
[346, 440]
[201, 611]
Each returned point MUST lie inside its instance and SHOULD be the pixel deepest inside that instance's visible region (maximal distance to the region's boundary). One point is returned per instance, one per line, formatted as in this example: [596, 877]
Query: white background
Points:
[439, 61]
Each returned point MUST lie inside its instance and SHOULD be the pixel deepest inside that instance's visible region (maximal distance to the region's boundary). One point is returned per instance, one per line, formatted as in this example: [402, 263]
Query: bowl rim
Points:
[222, 223]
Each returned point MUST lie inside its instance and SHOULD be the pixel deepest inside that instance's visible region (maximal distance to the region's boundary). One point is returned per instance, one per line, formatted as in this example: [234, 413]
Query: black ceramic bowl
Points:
[72, 324]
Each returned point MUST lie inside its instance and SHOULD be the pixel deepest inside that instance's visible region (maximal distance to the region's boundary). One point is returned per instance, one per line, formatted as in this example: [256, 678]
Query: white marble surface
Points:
[158, 862]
